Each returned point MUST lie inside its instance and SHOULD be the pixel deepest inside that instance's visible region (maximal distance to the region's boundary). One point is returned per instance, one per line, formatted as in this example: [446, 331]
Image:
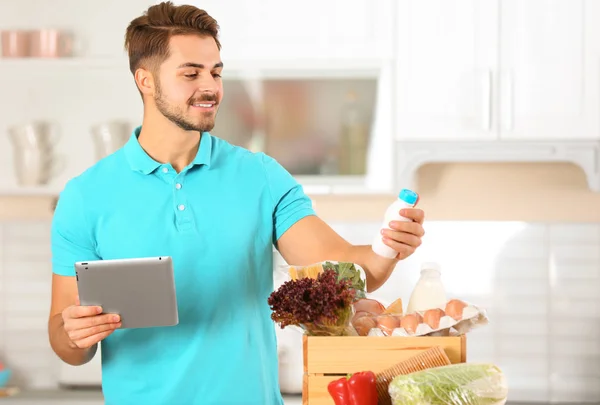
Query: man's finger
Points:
[413, 228]
[402, 249]
[81, 312]
[99, 320]
[92, 340]
[88, 332]
[403, 238]
[416, 214]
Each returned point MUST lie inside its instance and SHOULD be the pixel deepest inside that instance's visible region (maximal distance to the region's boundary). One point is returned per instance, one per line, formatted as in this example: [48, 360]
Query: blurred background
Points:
[490, 109]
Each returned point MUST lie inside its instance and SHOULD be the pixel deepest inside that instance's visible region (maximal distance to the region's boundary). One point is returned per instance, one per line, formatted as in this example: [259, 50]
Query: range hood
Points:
[411, 155]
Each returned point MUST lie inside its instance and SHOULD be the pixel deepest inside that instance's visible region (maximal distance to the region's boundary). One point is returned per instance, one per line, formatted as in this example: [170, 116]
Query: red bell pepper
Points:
[357, 389]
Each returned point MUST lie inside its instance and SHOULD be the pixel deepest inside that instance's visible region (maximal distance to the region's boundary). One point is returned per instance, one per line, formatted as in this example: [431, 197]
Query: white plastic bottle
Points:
[406, 199]
[429, 291]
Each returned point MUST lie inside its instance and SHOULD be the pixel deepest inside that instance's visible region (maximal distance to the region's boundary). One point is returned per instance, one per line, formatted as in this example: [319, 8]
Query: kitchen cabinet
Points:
[498, 69]
[549, 69]
[445, 62]
[273, 31]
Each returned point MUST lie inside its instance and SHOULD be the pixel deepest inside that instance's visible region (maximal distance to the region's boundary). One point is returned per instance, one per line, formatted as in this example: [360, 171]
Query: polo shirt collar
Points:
[204, 150]
[140, 161]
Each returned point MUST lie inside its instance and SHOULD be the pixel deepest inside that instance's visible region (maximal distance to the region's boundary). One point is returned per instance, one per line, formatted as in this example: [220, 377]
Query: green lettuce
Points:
[457, 384]
[348, 271]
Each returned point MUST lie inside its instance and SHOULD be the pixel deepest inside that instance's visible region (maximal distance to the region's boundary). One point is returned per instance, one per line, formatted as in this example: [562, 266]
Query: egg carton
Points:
[471, 317]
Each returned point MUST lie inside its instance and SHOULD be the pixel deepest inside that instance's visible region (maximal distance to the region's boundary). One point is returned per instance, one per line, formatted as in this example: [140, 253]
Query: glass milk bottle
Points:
[429, 291]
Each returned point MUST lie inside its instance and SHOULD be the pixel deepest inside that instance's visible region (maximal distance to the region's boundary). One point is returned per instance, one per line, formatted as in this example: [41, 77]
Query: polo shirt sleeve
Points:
[290, 204]
[71, 236]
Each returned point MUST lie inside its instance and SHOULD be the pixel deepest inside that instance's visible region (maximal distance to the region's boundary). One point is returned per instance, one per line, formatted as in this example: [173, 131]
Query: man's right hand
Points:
[87, 325]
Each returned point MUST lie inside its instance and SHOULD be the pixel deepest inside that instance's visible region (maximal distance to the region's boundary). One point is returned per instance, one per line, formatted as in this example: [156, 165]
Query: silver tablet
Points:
[141, 290]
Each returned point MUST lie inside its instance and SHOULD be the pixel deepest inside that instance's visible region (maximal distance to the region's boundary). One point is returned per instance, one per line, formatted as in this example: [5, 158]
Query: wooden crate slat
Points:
[343, 355]
[317, 390]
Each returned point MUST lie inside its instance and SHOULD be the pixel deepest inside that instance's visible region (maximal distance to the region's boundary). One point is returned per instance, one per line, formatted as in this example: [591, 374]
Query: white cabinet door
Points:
[446, 64]
[262, 30]
[549, 69]
[234, 28]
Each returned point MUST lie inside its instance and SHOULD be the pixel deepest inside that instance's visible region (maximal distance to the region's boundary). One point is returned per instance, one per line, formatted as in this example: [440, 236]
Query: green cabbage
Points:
[457, 384]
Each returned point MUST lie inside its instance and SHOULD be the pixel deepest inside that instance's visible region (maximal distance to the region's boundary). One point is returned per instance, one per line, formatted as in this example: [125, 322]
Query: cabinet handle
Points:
[486, 102]
[507, 110]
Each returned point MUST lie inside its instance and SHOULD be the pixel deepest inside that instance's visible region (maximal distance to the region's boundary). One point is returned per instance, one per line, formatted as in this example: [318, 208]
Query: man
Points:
[175, 190]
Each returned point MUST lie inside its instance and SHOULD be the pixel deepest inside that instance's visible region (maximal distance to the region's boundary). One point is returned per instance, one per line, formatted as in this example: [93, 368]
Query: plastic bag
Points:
[340, 328]
[352, 271]
[457, 384]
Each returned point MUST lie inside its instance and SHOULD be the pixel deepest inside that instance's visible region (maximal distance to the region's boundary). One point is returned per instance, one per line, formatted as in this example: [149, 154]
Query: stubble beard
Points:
[177, 116]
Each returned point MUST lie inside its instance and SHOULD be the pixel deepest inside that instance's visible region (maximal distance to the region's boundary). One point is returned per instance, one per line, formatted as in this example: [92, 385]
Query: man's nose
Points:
[208, 84]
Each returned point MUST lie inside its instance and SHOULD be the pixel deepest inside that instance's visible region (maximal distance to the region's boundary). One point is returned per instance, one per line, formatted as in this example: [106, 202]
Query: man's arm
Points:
[64, 295]
[73, 330]
[302, 238]
[311, 240]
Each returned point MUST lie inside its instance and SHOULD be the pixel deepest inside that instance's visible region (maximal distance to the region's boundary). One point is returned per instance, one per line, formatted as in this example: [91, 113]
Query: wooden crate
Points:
[329, 358]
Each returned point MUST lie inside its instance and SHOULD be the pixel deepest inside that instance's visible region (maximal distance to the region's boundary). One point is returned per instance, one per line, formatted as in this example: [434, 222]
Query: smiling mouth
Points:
[204, 106]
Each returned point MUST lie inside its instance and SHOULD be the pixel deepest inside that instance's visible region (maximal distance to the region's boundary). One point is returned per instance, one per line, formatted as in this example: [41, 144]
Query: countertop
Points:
[82, 397]
[94, 397]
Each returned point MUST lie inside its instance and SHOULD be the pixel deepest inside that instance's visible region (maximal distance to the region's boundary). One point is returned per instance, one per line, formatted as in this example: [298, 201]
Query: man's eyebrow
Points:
[199, 65]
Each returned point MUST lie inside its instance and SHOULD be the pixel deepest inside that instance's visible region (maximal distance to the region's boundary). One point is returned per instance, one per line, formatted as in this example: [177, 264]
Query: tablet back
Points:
[141, 290]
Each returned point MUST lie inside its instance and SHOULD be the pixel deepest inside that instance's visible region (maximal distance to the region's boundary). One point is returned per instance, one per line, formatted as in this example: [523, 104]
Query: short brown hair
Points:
[147, 37]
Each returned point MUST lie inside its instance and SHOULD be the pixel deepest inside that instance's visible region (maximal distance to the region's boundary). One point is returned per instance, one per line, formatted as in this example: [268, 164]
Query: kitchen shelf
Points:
[234, 69]
[62, 63]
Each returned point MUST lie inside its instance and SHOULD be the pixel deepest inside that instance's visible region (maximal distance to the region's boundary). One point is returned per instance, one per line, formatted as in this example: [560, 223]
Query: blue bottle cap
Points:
[408, 196]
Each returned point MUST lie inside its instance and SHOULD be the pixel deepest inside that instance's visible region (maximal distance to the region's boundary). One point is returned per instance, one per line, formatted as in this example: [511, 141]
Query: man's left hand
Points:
[405, 237]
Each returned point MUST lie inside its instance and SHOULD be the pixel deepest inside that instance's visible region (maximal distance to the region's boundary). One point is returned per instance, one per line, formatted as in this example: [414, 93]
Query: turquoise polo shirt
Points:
[218, 219]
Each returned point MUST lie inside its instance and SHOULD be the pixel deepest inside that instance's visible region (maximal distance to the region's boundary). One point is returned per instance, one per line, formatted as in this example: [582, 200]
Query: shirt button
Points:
[178, 186]
[165, 170]
[181, 207]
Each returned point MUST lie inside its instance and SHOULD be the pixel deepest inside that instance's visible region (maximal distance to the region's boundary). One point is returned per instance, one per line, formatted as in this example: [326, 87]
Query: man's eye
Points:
[192, 75]
[216, 75]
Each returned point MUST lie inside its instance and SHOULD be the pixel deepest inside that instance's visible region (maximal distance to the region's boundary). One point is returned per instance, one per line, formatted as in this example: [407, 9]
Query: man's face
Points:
[188, 84]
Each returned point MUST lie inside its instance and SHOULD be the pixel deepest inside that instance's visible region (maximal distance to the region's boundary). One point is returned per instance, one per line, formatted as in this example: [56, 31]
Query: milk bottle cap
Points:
[408, 196]
[431, 268]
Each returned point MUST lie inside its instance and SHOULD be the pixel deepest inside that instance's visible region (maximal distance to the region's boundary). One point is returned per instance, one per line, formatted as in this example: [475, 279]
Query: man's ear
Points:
[144, 80]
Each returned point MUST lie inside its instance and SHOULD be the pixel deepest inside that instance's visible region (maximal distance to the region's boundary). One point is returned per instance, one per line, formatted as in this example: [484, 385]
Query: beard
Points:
[177, 114]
